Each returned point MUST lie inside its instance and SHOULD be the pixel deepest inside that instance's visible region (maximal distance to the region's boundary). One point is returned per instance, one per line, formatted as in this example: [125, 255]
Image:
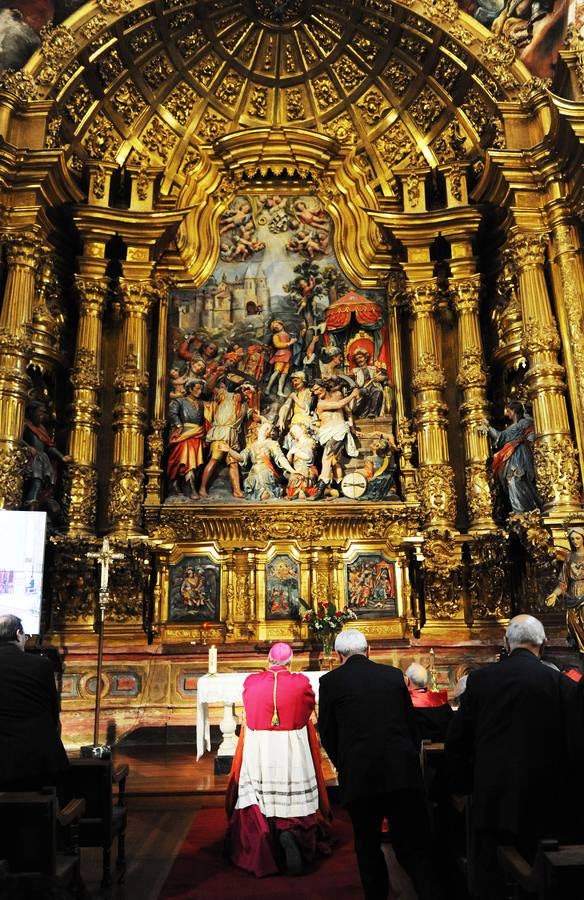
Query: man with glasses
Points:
[31, 752]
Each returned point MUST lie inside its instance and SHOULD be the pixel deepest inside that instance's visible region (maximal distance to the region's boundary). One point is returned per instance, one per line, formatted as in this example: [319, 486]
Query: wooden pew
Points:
[39, 844]
[557, 872]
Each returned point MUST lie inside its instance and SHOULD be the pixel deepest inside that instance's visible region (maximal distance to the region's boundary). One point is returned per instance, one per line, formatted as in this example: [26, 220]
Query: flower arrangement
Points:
[325, 619]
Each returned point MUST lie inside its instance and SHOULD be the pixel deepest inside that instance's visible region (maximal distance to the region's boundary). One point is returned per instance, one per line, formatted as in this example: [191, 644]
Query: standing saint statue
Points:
[570, 588]
[513, 458]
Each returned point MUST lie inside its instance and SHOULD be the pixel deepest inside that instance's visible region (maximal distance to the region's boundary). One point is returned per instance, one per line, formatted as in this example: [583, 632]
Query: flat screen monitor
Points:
[22, 554]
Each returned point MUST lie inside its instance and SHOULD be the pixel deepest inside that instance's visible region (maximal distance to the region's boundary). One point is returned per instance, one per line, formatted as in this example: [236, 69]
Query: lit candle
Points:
[212, 660]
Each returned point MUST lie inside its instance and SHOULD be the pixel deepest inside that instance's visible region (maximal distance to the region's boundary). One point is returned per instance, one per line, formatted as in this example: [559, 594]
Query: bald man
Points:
[512, 745]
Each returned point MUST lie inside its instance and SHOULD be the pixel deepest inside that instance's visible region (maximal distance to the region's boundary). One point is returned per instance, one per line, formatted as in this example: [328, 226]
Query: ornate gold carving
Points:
[342, 129]
[109, 67]
[92, 294]
[78, 104]
[114, 7]
[93, 27]
[54, 138]
[229, 90]
[397, 76]
[481, 116]
[80, 500]
[421, 298]
[191, 43]
[128, 101]
[295, 104]
[258, 102]
[57, 46]
[212, 125]
[98, 184]
[101, 139]
[155, 442]
[394, 145]
[325, 92]
[528, 249]
[157, 71]
[412, 184]
[373, 106]
[85, 374]
[447, 73]
[16, 342]
[540, 337]
[129, 377]
[472, 372]
[143, 39]
[19, 83]
[556, 468]
[478, 491]
[159, 138]
[436, 485]
[12, 462]
[348, 73]
[126, 494]
[23, 248]
[497, 49]
[487, 577]
[442, 566]
[206, 69]
[426, 109]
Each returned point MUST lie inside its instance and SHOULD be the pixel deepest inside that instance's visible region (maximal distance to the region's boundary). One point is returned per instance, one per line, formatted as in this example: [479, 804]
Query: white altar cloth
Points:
[227, 689]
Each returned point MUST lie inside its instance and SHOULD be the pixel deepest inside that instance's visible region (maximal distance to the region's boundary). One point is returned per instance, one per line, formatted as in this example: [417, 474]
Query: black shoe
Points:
[320, 489]
[293, 856]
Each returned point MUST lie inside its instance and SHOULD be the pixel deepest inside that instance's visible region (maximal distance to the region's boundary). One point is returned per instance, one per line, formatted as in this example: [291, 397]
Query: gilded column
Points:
[566, 252]
[130, 409]
[81, 492]
[23, 250]
[557, 470]
[436, 478]
[474, 409]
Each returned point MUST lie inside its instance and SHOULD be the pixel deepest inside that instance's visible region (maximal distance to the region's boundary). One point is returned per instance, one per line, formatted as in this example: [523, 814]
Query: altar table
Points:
[227, 689]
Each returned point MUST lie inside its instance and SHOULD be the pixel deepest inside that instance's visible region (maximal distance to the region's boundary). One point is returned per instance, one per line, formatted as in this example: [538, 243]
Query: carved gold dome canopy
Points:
[252, 84]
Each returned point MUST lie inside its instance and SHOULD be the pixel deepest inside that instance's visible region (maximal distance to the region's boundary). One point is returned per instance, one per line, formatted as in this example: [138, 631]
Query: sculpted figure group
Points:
[290, 433]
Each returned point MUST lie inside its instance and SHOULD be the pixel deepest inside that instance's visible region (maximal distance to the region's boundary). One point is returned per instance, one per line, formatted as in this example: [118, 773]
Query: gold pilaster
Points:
[436, 478]
[555, 454]
[472, 380]
[130, 410]
[81, 490]
[23, 251]
[229, 597]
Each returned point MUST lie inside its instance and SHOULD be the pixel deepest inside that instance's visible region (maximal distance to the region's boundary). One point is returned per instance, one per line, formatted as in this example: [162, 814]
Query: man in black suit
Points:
[367, 727]
[31, 752]
[512, 745]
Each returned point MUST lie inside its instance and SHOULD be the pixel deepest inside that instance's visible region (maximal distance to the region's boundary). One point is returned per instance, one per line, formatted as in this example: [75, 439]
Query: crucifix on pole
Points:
[104, 558]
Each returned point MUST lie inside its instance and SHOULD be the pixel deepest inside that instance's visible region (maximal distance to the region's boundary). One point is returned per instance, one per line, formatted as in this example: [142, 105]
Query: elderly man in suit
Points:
[512, 746]
[367, 727]
[31, 751]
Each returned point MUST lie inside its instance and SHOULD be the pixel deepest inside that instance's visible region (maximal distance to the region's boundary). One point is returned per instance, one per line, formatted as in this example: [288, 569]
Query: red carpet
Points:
[200, 871]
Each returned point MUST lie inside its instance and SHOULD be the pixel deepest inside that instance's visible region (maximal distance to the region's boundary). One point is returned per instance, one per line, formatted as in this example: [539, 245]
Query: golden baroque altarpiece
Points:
[209, 192]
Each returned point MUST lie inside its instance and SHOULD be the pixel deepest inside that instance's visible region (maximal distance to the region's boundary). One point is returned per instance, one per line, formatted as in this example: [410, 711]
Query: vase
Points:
[328, 644]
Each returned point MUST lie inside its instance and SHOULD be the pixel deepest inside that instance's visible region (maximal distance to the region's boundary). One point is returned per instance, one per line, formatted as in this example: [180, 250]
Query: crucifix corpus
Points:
[105, 557]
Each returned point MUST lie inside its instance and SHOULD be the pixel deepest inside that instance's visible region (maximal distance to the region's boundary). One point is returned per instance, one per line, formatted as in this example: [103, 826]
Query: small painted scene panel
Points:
[282, 588]
[194, 593]
[371, 587]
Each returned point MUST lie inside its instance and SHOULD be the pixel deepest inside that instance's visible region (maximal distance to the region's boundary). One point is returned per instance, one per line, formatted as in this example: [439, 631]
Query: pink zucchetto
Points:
[280, 653]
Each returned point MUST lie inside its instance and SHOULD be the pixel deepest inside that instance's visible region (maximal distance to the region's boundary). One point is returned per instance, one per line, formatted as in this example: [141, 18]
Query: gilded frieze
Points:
[91, 29]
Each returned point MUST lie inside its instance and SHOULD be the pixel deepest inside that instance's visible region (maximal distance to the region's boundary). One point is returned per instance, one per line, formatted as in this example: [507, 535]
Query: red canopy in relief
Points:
[366, 312]
[352, 309]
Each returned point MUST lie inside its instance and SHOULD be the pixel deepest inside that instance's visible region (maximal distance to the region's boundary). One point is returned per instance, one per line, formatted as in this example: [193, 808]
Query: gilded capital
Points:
[92, 294]
[422, 298]
[528, 249]
[138, 297]
[23, 248]
[465, 295]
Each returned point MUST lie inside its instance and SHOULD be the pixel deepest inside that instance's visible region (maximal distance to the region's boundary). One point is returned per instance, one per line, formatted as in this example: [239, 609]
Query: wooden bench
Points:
[557, 872]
